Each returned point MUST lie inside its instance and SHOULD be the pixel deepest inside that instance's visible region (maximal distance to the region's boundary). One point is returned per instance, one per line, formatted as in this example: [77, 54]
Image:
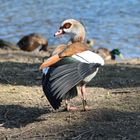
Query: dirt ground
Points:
[114, 97]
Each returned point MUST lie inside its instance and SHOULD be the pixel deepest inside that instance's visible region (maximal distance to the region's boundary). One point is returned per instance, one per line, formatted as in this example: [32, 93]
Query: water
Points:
[113, 23]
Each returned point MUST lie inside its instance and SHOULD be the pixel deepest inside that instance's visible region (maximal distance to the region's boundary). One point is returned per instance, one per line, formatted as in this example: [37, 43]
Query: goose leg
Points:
[84, 102]
[68, 107]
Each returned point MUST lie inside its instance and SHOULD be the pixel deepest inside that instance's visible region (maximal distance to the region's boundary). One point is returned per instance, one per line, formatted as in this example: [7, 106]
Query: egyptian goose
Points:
[104, 52]
[33, 42]
[70, 65]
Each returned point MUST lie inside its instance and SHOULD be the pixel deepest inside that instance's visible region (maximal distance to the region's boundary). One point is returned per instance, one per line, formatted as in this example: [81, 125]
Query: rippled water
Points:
[113, 23]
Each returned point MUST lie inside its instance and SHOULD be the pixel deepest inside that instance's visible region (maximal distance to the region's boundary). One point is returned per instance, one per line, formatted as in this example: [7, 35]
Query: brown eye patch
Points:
[67, 25]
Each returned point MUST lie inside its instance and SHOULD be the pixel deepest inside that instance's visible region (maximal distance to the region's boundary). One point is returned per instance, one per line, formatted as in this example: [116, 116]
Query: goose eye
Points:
[67, 25]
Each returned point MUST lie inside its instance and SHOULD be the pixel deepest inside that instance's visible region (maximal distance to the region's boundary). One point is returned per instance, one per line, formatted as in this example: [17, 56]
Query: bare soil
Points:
[114, 97]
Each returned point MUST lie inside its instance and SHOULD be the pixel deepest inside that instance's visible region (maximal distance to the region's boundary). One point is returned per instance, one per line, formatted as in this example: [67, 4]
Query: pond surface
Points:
[113, 23]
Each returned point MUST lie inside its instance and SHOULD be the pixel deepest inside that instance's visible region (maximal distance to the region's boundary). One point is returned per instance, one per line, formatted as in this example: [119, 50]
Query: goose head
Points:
[73, 28]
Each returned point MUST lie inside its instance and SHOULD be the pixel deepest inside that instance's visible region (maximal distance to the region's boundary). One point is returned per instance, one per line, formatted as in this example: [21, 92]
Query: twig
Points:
[1, 124]
[80, 135]
[125, 91]
[5, 114]
[5, 80]
[17, 134]
[91, 137]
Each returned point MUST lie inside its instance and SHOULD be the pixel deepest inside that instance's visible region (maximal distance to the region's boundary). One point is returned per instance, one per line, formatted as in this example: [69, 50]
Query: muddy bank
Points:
[113, 95]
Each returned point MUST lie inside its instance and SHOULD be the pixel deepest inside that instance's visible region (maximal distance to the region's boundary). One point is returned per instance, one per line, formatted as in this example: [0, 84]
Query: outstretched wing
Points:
[54, 101]
[60, 82]
[64, 78]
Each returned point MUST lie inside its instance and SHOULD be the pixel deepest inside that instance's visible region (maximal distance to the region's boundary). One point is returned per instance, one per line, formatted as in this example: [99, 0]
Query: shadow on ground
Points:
[16, 116]
[95, 124]
[109, 76]
[117, 76]
[15, 73]
[107, 124]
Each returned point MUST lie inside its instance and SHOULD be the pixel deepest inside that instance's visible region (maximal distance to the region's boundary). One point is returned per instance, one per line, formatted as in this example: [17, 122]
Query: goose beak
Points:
[52, 60]
[59, 33]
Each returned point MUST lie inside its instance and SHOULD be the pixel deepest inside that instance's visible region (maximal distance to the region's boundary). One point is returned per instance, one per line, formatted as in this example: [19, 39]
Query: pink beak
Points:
[58, 33]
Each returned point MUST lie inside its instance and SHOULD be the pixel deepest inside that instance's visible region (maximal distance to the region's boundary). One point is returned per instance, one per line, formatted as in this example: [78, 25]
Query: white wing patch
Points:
[89, 57]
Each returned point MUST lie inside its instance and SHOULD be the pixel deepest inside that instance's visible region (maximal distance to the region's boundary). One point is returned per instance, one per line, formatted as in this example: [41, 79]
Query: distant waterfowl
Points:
[90, 42]
[70, 65]
[7, 45]
[104, 52]
[33, 42]
[109, 55]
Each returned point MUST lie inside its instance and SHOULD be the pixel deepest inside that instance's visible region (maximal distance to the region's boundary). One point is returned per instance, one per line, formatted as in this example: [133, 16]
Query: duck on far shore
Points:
[104, 52]
[109, 55]
[6, 45]
[33, 42]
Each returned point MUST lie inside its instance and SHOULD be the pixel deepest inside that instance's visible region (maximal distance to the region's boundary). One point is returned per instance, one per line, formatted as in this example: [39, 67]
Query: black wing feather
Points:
[63, 89]
[59, 79]
[74, 73]
[60, 82]
[54, 101]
